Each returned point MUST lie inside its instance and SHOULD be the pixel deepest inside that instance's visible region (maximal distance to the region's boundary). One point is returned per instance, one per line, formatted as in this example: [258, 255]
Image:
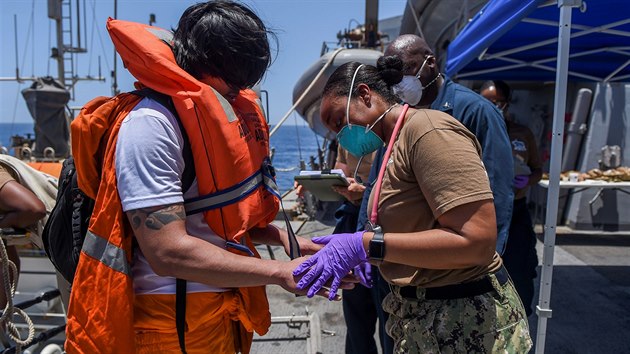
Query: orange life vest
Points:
[230, 149]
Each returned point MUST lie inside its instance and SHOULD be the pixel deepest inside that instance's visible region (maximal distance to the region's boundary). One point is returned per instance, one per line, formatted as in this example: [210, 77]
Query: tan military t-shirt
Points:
[435, 166]
[5, 176]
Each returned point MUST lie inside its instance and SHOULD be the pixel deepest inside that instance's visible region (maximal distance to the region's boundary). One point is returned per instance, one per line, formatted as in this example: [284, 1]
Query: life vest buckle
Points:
[267, 168]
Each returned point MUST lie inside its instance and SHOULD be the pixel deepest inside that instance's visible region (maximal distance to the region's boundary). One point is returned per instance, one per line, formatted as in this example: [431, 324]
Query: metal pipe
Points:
[60, 46]
[553, 40]
[78, 24]
[308, 89]
[564, 37]
[314, 341]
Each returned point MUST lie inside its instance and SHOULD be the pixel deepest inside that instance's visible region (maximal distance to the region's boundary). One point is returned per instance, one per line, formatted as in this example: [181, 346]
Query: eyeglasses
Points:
[501, 105]
[427, 57]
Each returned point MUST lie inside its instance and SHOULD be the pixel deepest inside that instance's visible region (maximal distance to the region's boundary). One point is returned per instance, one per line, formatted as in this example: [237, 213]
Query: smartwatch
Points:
[376, 249]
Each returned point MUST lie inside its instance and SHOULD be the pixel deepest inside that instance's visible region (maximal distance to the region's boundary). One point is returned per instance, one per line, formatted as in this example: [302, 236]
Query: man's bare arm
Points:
[161, 234]
[20, 206]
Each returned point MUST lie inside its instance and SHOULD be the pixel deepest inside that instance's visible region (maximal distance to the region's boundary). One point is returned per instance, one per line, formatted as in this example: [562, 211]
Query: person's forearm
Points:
[199, 261]
[21, 206]
[18, 219]
[435, 249]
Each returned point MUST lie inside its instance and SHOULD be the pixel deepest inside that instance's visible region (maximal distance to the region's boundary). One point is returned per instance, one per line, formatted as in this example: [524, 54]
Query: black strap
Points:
[180, 312]
[188, 176]
[294, 246]
[457, 291]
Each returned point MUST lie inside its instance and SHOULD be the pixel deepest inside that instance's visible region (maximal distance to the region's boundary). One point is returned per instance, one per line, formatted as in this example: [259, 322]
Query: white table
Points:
[589, 183]
[578, 187]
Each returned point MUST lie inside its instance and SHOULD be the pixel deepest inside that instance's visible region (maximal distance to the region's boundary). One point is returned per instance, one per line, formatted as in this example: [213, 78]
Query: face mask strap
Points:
[350, 93]
[422, 66]
[433, 81]
[420, 71]
[369, 127]
[356, 170]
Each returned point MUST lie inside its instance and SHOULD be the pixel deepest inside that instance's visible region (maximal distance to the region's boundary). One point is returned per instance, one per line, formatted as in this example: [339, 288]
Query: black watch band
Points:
[376, 249]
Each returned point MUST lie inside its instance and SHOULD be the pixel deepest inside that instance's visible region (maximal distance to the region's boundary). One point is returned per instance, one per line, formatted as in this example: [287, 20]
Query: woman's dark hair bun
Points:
[390, 69]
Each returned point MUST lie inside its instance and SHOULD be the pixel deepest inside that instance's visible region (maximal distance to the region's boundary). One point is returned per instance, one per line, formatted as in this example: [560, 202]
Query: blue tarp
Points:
[600, 43]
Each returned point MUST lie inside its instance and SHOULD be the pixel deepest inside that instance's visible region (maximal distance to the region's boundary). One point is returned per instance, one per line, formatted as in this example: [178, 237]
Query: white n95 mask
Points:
[410, 88]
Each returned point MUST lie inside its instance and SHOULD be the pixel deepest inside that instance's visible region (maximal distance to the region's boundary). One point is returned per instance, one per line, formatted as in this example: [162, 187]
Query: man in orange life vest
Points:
[203, 234]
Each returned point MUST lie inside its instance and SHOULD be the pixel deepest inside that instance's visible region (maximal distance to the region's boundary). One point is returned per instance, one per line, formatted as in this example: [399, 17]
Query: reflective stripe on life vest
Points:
[106, 253]
[271, 186]
[233, 194]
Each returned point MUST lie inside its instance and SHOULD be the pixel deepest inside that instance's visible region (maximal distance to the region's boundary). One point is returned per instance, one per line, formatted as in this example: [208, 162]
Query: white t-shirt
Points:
[149, 168]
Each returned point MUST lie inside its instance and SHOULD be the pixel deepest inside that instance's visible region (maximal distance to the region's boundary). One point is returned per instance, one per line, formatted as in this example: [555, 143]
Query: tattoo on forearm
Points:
[136, 220]
[156, 219]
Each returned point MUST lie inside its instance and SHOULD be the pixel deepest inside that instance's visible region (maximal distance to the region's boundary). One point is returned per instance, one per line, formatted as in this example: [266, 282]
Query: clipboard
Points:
[320, 185]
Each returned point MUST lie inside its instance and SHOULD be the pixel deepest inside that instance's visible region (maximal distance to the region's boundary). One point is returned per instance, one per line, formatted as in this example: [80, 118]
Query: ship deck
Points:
[589, 299]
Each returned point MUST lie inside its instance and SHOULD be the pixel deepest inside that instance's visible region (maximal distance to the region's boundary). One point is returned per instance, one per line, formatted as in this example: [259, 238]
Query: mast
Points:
[54, 13]
[64, 53]
[371, 23]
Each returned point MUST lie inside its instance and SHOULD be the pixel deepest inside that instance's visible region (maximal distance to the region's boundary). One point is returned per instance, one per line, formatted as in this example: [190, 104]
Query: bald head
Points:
[408, 47]
[497, 92]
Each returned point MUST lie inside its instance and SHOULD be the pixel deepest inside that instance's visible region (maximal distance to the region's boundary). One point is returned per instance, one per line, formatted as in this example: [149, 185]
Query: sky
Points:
[301, 27]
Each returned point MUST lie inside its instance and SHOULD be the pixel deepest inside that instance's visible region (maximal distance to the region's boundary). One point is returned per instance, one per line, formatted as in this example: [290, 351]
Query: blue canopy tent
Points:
[541, 40]
[518, 40]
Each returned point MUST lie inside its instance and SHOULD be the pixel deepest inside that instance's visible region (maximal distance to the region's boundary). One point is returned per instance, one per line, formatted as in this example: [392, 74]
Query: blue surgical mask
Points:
[357, 139]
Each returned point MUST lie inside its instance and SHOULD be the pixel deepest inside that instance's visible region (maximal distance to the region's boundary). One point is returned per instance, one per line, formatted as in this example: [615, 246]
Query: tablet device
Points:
[320, 185]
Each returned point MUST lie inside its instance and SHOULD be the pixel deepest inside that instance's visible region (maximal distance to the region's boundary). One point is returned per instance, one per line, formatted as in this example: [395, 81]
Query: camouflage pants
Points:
[494, 322]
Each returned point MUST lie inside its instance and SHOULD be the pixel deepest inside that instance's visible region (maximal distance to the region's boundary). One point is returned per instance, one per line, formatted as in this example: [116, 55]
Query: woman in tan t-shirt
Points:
[434, 228]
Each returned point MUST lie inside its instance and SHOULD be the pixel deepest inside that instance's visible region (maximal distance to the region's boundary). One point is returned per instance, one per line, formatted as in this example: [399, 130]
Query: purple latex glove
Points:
[520, 181]
[363, 271]
[341, 254]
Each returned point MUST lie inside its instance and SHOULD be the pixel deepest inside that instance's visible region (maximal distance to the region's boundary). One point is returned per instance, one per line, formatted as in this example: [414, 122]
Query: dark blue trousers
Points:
[520, 258]
[362, 306]
[361, 309]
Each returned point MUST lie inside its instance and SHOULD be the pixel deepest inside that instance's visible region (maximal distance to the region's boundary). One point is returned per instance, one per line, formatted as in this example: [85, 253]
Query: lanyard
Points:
[388, 152]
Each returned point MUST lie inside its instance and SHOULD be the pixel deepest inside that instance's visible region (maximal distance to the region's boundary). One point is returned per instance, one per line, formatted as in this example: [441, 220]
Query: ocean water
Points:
[292, 143]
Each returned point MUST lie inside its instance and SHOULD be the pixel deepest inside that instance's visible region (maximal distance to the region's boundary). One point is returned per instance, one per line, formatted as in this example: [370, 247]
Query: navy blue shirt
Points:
[484, 120]
[376, 166]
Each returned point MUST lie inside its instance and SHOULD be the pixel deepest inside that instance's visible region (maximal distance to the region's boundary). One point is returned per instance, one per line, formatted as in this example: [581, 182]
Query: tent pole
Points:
[564, 35]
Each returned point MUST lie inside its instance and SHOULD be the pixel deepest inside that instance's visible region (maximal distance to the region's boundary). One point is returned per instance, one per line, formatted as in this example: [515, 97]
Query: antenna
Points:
[115, 72]
[78, 24]
[17, 65]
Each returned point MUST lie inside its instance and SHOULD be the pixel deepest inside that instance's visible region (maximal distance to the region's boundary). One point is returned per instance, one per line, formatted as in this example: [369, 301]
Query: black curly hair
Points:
[388, 72]
[224, 39]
